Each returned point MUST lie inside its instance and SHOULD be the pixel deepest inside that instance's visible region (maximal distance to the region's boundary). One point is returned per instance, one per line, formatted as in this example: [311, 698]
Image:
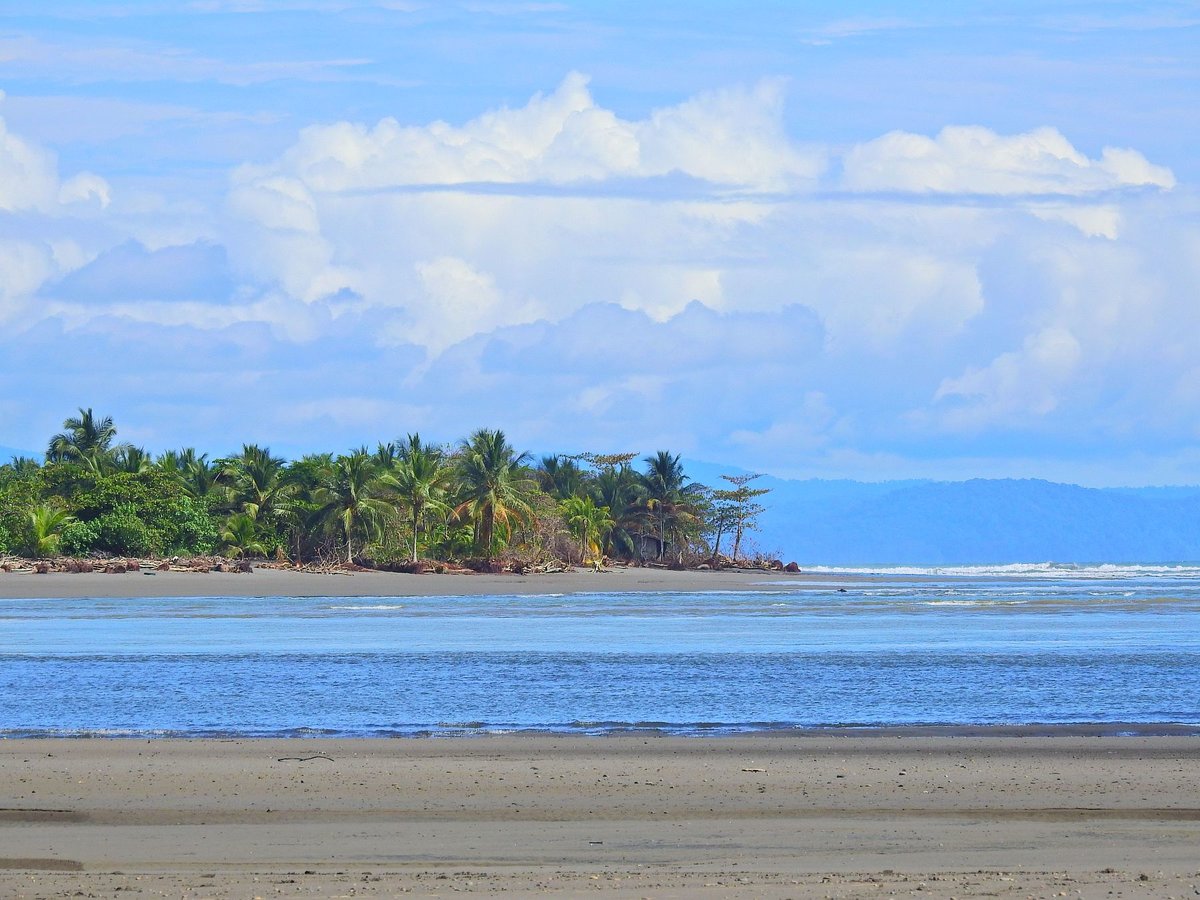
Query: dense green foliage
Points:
[401, 503]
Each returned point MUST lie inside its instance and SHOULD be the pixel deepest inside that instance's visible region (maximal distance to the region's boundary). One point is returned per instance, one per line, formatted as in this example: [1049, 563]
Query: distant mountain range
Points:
[982, 521]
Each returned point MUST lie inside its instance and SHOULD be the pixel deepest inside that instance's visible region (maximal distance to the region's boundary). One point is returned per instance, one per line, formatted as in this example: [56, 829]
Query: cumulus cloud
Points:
[29, 178]
[1017, 384]
[37, 241]
[976, 160]
[460, 301]
[571, 273]
[731, 137]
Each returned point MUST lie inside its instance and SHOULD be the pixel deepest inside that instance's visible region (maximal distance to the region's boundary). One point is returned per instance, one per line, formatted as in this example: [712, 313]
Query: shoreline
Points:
[449, 732]
[270, 582]
[626, 816]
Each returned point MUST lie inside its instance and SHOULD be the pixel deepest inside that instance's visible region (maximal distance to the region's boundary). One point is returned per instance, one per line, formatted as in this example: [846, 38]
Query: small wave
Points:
[376, 607]
[973, 602]
[1024, 570]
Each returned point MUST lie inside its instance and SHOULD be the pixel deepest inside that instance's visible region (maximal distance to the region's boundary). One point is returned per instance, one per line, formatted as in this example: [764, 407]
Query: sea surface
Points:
[986, 646]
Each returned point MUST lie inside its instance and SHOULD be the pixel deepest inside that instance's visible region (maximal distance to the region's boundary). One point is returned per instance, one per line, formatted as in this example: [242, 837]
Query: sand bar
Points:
[289, 583]
[758, 815]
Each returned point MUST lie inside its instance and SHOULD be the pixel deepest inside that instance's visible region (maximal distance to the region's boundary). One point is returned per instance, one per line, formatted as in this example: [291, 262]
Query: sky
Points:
[873, 241]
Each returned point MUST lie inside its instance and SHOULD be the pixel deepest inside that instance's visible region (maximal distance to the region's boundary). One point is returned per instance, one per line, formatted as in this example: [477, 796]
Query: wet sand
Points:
[290, 583]
[626, 816]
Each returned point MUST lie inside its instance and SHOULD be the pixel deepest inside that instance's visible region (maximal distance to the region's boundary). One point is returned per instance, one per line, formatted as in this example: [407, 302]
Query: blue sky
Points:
[873, 241]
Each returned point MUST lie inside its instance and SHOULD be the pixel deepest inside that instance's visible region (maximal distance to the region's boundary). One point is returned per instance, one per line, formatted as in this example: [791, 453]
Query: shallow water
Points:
[993, 648]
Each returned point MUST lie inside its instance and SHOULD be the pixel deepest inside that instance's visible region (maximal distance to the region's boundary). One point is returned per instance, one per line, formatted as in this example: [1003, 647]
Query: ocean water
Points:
[1002, 646]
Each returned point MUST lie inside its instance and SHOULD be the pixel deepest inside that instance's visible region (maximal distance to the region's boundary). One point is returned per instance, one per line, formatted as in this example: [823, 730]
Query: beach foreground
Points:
[628, 815]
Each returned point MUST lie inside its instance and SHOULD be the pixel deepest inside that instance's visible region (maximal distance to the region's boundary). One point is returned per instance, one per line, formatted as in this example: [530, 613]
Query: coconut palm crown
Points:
[495, 485]
[85, 440]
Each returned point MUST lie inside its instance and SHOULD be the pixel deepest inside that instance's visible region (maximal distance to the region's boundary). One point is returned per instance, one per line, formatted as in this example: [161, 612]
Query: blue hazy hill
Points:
[849, 523]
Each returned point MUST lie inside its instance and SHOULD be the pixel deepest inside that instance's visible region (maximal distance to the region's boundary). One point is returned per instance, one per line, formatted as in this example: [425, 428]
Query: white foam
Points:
[1022, 570]
[378, 606]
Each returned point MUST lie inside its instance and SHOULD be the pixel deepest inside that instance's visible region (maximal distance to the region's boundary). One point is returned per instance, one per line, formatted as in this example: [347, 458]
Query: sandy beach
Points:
[1021, 812]
[939, 815]
[266, 582]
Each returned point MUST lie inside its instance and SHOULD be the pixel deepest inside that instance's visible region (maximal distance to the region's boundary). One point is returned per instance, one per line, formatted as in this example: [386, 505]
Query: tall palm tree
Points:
[671, 500]
[588, 522]
[85, 440]
[421, 479]
[620, 489]
[348, 497]
[560, 477]
[494, 484]
[257, 483]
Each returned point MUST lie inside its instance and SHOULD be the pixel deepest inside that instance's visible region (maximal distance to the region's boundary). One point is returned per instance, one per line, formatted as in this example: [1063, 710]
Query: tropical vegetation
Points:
[407, 503]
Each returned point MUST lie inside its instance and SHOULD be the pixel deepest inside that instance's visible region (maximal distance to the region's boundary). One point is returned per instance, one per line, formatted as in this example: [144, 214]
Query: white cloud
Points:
[732, 138]
[976, 160]
[29, 178]
[1017, 385]
[37, 205]
[82, 188]
[881, 295]
[543, 261]
[461, 301]
[1099, 220]
[24, 266]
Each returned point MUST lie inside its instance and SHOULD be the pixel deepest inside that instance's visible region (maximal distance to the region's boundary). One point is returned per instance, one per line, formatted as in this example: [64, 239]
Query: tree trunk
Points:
[486, 524]
[416, 520]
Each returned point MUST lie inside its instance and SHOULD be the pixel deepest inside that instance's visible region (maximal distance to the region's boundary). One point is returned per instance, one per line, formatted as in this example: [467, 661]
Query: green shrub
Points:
[123, 533]
[194, 533]
[80, 538]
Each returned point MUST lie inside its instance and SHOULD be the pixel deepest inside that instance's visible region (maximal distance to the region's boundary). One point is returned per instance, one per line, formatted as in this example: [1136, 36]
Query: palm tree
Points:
[257, 484]
[588, 522]
[24, 465]
[386, 454]
[193, 472]
[200, 477]
[240, 536]
[85, 440]
[560, 477]
[46, 524]
[348, 497]
[127, 458]
[421, 479]
[620, 489]
[494, 483]
[671, 499]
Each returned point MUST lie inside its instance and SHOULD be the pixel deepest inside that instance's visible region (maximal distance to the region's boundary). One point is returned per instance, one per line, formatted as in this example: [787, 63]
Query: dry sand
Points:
[290, 583]
[625, 816]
